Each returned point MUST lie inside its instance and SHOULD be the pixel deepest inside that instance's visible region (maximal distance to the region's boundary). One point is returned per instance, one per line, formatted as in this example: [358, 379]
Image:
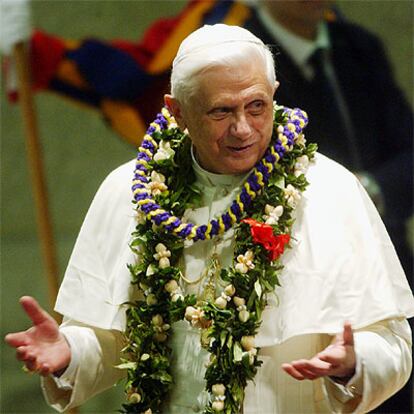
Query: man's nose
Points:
[240, 127]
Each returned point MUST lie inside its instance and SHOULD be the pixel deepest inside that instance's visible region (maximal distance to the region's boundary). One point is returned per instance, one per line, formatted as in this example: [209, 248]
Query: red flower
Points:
[263, 234]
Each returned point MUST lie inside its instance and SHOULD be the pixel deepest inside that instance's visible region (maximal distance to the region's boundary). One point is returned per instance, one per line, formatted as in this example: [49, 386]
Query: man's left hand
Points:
[337, 360]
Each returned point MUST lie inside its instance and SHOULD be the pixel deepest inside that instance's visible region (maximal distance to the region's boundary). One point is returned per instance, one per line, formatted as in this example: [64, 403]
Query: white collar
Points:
[209, 179]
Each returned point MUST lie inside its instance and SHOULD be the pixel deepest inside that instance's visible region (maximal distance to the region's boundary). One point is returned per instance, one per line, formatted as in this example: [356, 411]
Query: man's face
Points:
[230, 118]
[307, 12]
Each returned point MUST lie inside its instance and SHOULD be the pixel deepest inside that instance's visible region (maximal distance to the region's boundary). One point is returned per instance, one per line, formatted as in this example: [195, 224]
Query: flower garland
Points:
[163, 188]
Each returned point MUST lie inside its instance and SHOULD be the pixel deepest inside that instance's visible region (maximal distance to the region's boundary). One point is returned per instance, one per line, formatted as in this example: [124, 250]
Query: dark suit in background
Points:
[382, 122]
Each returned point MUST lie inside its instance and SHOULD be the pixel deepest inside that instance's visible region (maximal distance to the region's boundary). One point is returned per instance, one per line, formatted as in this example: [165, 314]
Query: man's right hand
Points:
[42, 347]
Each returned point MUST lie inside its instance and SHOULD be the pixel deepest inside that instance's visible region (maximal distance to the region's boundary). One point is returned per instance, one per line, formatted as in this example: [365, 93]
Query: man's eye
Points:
[219, 113]
[256, 107]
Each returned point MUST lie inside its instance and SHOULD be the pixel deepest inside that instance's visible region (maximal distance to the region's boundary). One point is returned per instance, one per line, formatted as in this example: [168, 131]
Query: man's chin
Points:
[238, 167]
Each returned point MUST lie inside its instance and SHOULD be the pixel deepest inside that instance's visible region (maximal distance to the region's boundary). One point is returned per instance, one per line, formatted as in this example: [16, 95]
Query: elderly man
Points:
[249, 254]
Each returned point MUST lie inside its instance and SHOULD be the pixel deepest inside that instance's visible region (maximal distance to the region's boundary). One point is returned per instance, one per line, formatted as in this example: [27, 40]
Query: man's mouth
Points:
[240, 149]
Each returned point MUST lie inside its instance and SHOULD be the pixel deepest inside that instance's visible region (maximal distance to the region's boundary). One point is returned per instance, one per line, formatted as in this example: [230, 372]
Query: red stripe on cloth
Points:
[46, 52]
[156, 36]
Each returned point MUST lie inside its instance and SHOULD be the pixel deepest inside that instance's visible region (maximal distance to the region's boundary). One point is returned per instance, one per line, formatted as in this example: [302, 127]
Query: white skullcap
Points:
[211, 36]
[213, 46]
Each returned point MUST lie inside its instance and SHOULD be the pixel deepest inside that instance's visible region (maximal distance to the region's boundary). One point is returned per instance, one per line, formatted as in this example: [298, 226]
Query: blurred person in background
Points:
[336, 70]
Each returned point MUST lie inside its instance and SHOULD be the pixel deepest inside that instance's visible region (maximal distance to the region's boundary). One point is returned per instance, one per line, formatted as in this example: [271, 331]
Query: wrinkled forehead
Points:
[221, 83]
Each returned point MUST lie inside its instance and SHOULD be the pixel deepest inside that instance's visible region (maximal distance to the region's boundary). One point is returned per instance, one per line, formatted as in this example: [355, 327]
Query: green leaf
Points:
[237, 352]
[258, 289]
[279, 182]
[127, 365]
[223, 337]
[246, 360]
[230, 341]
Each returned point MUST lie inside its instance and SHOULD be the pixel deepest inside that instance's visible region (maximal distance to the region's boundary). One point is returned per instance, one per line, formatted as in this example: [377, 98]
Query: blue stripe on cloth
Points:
[85, 96]
[218, 13]
[111, 72]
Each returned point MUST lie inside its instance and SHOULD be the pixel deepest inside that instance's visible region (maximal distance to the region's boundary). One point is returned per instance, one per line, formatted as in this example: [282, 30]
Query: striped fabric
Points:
[125, 81]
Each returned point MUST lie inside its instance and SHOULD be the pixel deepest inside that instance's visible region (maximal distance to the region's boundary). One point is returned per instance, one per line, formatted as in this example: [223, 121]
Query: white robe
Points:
[342, 267]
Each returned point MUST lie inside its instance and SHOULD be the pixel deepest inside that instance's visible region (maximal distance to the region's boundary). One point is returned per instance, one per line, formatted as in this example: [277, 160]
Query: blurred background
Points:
[79, 151]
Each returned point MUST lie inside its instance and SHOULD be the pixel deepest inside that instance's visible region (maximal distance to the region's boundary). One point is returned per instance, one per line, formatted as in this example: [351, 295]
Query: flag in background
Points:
[124, 81]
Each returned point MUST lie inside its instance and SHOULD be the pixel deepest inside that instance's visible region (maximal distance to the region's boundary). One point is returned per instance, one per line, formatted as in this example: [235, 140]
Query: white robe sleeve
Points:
[384, 356]
[97, 280]
[98, 352]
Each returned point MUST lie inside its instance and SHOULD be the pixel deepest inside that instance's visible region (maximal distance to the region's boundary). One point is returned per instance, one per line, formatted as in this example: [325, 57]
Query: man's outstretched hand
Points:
[42, 347]
[337, 360]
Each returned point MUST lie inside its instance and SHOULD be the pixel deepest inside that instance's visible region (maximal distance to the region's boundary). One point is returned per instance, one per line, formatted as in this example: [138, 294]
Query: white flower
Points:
[245, 262]
[150, 270]
[196, 317]
[247, 342]
[157, 320]
[143, 286]
[140, 217]
[229, 290]
[176, 296]
[301, 165]
[291, 127]
[157, 183]
[272, 214]
[164, 152]
[164, 262]
[252, 353]
[300, 140]
[218, 389]
[134, 398]
[239, 301]
[162, 255]
[188, 242]
[217, 405]
[171, 286]
[292, 195]
[190, 311]
[151, 300]
[244, 315]
[221, 302]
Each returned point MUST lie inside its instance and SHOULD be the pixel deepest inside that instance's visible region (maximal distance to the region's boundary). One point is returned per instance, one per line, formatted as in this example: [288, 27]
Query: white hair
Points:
[214, 46]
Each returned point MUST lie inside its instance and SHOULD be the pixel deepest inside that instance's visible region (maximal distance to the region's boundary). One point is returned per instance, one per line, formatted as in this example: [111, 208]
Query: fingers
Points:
[293, 372]
[307, 369]
[17, 339]
[348, 334]
[31, 361]
[44, 370]
[338, 359]
[33, 310]
[23, 353]
[332, 355]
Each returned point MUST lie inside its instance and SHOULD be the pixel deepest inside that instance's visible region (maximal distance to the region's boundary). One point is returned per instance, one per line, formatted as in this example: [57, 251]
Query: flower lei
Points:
[163, 187]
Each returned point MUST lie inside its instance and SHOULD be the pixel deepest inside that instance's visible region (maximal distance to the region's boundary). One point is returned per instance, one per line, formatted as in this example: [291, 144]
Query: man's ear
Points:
[175, 109]
[276, 86]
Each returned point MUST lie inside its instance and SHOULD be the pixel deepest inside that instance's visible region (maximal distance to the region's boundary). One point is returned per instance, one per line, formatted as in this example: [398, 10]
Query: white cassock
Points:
[342, 266]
